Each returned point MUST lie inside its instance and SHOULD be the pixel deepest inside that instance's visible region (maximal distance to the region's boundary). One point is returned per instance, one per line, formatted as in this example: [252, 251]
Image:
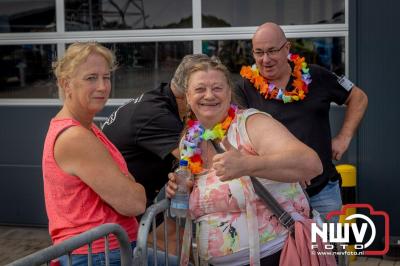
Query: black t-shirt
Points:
[146, 130]
[308, 119]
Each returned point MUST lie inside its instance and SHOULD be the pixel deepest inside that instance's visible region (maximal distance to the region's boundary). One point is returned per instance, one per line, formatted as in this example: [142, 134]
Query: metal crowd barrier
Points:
[343, 260]
[140, 256]
[66, 247]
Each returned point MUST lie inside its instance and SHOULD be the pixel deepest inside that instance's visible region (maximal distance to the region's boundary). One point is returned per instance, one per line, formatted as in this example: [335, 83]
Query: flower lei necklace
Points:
[270, 91]
[191, 151]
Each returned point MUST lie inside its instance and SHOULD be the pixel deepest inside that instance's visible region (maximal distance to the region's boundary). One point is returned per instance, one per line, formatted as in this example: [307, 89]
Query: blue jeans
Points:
[327, 200]
[97, 258]
[172, 259]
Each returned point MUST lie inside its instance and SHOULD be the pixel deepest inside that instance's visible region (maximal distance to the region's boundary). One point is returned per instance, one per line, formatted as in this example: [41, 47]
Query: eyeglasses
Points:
[270, 53]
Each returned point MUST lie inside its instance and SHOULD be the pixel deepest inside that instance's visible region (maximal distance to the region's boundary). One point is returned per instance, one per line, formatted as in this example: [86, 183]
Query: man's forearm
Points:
[356, 106]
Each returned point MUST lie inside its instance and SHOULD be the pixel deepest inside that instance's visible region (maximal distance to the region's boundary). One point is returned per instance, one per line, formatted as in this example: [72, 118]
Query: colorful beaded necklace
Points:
[195, 133]
[302, 79]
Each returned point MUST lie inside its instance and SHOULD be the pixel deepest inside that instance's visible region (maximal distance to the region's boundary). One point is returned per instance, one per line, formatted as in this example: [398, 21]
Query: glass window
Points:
[233, 53]
[143, 66]
[25, 71]
[327, 52]
[127, 14]
[239, 13]
[27, 16]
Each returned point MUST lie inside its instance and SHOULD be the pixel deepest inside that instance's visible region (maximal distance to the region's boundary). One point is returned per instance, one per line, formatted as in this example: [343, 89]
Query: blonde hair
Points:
[76, 54]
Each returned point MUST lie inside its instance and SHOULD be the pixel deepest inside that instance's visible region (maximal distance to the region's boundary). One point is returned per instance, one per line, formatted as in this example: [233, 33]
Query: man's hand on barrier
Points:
[171, 186]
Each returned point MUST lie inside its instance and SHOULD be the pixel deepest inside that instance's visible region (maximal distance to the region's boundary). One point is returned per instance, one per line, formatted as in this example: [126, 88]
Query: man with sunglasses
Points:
[299, 96]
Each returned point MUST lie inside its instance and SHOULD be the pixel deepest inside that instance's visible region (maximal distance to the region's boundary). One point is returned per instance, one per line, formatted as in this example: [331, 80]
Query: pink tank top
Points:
[72, 206]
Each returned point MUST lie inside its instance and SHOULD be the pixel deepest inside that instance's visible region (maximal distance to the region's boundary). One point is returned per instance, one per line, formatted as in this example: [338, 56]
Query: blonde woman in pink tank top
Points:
[233, 226]
[86, 180]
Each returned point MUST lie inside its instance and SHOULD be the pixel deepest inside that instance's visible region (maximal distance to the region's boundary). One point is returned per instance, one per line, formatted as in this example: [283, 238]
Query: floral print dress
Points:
[229, 216]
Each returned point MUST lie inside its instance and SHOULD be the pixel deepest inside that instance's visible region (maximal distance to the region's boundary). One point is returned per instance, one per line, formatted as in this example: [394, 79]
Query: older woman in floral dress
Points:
[234, 227]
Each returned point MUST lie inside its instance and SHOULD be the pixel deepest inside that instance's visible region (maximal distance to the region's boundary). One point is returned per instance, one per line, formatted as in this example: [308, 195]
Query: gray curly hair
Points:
[179, 78]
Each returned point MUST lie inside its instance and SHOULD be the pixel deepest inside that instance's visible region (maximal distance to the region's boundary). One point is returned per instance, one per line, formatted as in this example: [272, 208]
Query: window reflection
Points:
[25, 71]
[27, 16]
[127, 14]
[326, 52]
[239, 13]
[142, 66]
[233, 53]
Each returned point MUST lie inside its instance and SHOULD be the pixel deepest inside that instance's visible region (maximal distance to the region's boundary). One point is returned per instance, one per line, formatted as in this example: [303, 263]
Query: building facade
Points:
[150, 37]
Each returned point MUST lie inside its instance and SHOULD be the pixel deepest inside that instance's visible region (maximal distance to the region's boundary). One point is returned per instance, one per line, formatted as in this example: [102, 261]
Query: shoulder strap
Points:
[284, 217]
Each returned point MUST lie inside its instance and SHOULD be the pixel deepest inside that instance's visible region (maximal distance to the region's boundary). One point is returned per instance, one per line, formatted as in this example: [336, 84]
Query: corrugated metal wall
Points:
[374, 64]
[21, 140]
[374, 61]
[22, 133]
